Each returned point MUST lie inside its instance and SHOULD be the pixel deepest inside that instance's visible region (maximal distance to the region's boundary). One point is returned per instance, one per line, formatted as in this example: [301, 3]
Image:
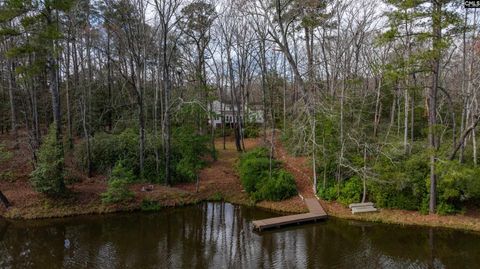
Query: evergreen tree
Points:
[48, 176]
[434, 22]
[39, 23]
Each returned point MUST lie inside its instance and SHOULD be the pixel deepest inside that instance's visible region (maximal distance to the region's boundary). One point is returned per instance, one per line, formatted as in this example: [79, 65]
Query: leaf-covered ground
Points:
[218, 181]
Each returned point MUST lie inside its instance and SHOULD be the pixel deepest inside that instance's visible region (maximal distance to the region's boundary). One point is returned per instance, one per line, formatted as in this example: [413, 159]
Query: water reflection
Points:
[217, 235]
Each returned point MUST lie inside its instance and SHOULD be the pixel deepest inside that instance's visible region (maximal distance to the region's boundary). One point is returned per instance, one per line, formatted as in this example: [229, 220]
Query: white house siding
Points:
[255, 116]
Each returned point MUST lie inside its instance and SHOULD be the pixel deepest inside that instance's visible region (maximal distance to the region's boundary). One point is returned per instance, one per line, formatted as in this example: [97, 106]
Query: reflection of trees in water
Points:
[220, 235]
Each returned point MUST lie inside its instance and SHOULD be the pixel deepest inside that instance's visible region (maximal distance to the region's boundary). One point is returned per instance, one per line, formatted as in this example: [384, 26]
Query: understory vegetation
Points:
[117, 189]
[187, 153]
[393, 179]
[48, 176]
[264, 178]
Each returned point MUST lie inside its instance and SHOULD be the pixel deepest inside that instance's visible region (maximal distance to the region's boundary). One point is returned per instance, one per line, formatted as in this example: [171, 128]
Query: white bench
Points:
[360, 204]
[362, 208]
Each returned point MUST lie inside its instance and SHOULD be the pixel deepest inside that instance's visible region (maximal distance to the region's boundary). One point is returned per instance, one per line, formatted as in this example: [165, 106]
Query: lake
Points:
[220, 235]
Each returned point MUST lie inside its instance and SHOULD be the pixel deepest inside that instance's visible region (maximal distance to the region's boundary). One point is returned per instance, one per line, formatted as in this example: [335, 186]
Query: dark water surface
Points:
[219, 235]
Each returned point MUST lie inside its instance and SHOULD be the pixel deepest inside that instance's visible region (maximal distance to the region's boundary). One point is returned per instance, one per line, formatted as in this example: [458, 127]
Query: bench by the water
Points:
[316, 213]
[362, 208]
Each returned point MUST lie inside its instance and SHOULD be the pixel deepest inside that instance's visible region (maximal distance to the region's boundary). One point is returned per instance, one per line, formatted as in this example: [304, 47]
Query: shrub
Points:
[4, 156]
[120, 171]
[186, 154]
[328, 193]
[279, 187]
[117, 190]
[351, 191]
[48, 175]
[254, 169]
[255, 153]
[217, 196]
[444, 208]
[150, 205]
[108, 149]
[251, 130]
[191, 147]
[401, 181]
[457, 184]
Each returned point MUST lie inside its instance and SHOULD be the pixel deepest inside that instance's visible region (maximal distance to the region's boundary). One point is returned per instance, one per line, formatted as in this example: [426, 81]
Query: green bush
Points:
[401, 181]
[279, 187]
[186, 154]
[254, 169]
[191, 148]
[351, 191]
[150, 205]
[328, 193]
[457, 184]
[251, 130]
[4, 156]
[444, 208]
[48, 176]
[108, 149]
[217, 197]
[255, 153]
[117, 190]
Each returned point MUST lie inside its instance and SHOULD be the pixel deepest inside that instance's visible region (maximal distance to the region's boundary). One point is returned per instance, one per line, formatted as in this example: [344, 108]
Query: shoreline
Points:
[383, 216]
[63, 211]
[218, 182]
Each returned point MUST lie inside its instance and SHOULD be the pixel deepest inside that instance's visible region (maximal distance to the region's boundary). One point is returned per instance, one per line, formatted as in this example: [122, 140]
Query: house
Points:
[253, 113]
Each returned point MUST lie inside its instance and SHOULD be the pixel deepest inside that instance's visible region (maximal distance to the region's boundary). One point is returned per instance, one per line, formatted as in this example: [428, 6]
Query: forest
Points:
[379, 95]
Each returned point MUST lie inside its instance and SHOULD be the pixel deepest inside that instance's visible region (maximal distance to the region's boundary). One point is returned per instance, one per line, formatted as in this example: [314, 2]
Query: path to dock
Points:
[316, 213]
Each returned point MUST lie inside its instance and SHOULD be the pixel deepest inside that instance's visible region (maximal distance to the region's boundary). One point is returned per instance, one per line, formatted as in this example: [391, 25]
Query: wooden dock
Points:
[316, 213]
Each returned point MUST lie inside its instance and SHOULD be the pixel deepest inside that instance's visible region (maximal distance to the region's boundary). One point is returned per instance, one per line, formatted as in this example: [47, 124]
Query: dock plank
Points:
[316, 213]
[314, 206]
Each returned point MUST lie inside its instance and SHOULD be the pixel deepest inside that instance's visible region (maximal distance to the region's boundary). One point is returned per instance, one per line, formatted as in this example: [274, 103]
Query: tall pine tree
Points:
[37, 23]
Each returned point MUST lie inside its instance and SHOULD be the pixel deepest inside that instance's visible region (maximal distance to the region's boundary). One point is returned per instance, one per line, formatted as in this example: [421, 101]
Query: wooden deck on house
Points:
[316, 213]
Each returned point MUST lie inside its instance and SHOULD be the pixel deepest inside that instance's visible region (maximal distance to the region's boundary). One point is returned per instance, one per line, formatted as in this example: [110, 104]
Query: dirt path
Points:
[299, 167]
[218, 181]
[221, 177]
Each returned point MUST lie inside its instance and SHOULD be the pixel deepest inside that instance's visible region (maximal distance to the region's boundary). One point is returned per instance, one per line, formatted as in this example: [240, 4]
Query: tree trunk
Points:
[87, 108]
[405, 130]
[4, 200]
[141, 121]
[432, 112]
[11, 95]
[109, 84]
[376, 119]
[166, 105]
[314, 154]
[57, 116]
[263, 63]
[309, 50]
[232, 98]
[67, 93]
[364, 176]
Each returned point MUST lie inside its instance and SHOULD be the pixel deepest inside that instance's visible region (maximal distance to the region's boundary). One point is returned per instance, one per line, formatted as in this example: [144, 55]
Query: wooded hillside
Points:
[380, 95]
